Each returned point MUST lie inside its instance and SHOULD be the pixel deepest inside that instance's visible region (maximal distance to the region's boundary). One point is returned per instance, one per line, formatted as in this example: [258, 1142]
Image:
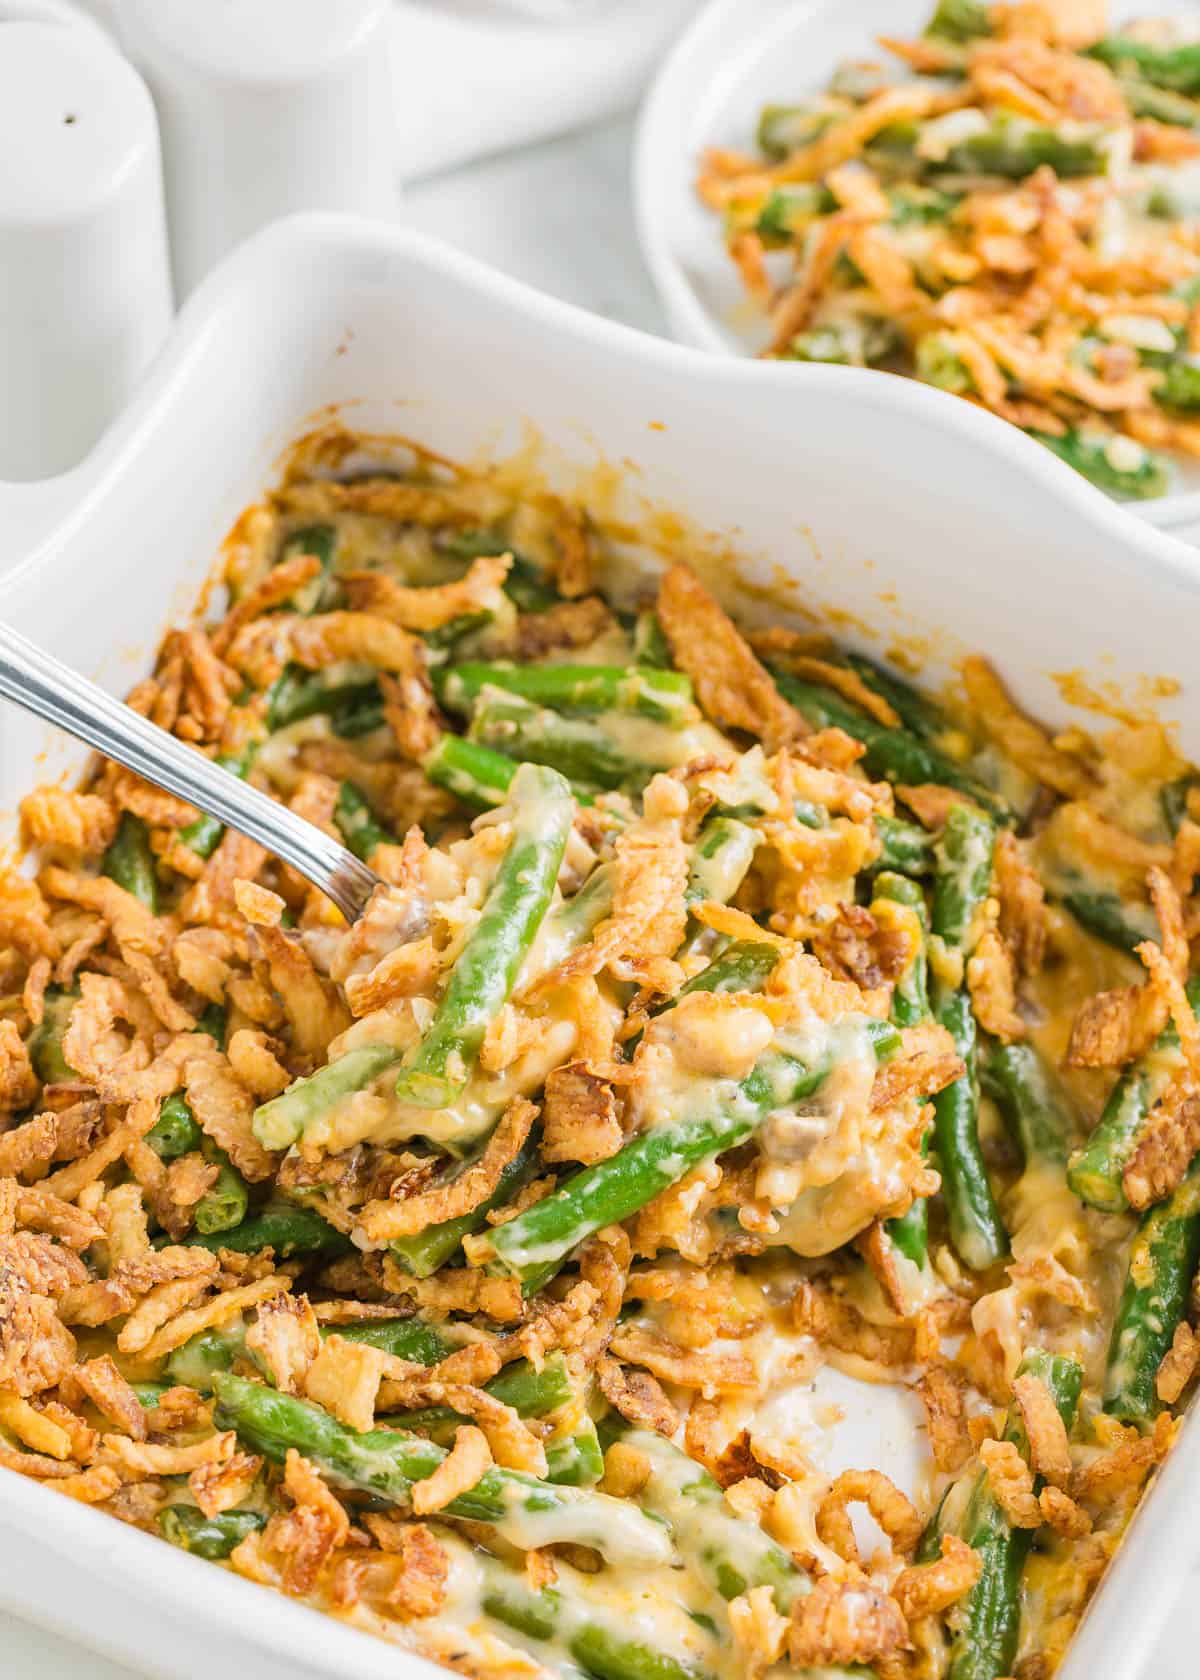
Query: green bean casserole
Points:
[729, 1010]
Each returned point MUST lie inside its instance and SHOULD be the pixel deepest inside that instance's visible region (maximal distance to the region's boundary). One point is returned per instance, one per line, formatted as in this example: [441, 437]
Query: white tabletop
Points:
[557, 216]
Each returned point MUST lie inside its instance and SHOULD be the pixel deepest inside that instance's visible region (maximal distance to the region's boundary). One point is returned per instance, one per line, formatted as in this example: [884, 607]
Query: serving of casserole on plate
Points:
[760, 1096]
[920, 188]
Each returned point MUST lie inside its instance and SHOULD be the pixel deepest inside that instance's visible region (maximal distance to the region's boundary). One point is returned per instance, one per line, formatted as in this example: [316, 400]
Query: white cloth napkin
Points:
[474, 77]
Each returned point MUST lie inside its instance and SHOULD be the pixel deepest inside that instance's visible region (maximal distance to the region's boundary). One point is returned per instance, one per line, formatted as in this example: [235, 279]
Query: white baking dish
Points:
[737, 56]
[913, 515]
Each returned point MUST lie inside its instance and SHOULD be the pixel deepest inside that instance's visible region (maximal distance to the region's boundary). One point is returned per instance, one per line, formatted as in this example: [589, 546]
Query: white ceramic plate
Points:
[738, 56]
[909, 515]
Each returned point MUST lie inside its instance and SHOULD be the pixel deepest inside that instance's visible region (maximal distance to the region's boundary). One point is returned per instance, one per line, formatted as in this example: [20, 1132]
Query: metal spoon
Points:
[33, 679]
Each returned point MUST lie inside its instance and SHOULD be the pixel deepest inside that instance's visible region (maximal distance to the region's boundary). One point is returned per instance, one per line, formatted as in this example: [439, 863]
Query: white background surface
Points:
[558, 217]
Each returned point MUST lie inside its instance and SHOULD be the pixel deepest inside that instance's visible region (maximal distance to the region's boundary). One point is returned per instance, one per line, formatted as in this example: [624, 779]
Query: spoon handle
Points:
[33, 679]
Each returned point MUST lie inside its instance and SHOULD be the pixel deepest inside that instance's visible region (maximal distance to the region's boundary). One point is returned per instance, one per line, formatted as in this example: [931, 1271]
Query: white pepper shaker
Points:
[265, 107]
[85, 294]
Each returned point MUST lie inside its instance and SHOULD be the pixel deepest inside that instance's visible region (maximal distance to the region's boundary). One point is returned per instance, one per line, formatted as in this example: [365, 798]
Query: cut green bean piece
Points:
[1095, 1170]
[862, 343]
[530, 1392]
[44, 1045]
[387, 1462]
[197, 1362]
[959, 20]
[1013, 147]
[916, 711]
[426, 1251]
[278, 1123]
[490, 961]
[1118, 465]
[476, 774]
[549, 1616]
[976, 1228]
[732, 1554]
[534, 1244]
[130, 862]
[1177, 68]
[723, 853]
[964, 874]
[987, 1622]
[225, 1203]
[349, 703]
[287, 1228]
[187, 1527]
[1180, 386]
[1032, 1101]
[904, 847]
[1162, 1264]
[577, 747]
[789, 208]
[321, 542]
[575, 1460]
[1111, 919]
[176, 1131]
[650, 644]
[356, 822]
[909, 1232]
[663, 695]
[204, 835]
[892, 753]
[785, 128]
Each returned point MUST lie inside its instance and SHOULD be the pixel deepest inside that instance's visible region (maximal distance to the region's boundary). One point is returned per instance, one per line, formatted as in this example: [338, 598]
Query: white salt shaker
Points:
[85, 295]
[265, 107]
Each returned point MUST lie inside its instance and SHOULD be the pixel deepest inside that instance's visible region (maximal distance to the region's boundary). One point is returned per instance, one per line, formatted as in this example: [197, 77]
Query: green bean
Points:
[476, 774]
[423, 1253]
[789, 208]
[909, 1231]
[130, 862]
[910, 994]
[1180, 386]
[919, 714]
[283, 1226]
[1106, 915]
[959, 20]
[224, 1204]
[187, 1527]
[665, 696]
[44, 1046]
[176, 1131]
[861, 343]
[532, 1245]
[783, 129]
[904, 848]
[321, 542]
[490, 961]
[650, 644]
[387, 1462]
[547, 1615]
[964, 874]
[353, 705]
[893, 753]
[987, 1622]
[197, 1362]
[204, 835]
[1146, 100]
[530, 1392]
[148, 1394]
[937, 361]
[1031, 1100]
[575, 1460]
[1014, 148]
[1095, 1171]
[526, 585]
[576, 747]
[278, 1123]
[1147, 476]
[723, 853]
[914, 205]
[963, 879]
[1162, 1263]
[1173, 800]
[1177, 68]
[731, 1553]
[356, 822]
